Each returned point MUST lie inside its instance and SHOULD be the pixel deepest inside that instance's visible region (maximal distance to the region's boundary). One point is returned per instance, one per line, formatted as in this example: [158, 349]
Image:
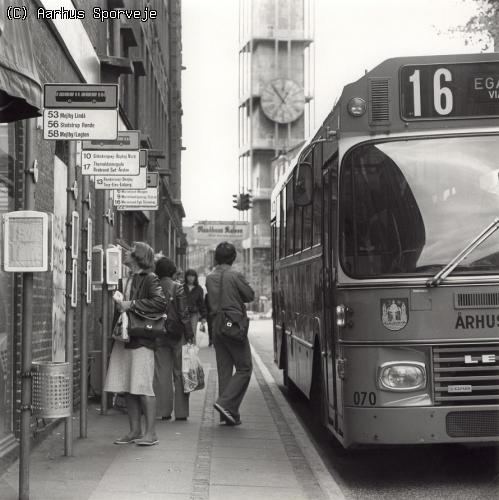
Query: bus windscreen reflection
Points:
[408, 207]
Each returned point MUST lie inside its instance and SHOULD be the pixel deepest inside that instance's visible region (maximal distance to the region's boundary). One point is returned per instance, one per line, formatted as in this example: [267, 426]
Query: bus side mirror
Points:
[303, 184]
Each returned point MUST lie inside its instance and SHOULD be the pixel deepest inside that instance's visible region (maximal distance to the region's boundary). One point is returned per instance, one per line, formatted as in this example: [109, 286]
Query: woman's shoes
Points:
[146, 442]
[127, 439]
[183, 419]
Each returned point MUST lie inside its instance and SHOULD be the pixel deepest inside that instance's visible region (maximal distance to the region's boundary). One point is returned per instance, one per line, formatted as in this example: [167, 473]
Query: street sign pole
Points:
[86, 256]
[105, 301]
[71, 176]
[27, 325]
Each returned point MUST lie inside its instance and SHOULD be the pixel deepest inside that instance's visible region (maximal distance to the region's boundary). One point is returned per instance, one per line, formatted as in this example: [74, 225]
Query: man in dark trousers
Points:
[228, 290]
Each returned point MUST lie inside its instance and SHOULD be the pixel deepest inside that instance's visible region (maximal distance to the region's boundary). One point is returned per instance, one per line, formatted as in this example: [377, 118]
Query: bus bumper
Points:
[420, 425]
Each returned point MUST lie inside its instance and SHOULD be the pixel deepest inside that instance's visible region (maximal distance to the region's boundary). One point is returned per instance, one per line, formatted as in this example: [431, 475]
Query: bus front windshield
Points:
[408, 207]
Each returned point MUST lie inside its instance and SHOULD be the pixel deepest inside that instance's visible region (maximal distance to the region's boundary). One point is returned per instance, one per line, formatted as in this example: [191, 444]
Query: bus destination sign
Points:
[446, 91]
[80, 112]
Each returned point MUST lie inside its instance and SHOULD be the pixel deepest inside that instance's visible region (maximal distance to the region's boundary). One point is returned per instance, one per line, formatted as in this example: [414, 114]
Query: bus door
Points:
[329, 212]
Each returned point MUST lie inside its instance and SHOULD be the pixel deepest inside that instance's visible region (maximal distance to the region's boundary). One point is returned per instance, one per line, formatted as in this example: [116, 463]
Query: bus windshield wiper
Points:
[474, 243]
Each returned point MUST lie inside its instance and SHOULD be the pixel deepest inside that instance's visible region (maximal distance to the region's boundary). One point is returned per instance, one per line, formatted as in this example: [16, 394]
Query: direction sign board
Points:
[122, 182]
[140, 199]
[125, 140]
[115, 163]
[126, 181]
[80, 112]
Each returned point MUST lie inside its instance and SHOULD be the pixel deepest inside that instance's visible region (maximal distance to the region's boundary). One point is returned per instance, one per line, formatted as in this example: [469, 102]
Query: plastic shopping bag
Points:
[192, 370]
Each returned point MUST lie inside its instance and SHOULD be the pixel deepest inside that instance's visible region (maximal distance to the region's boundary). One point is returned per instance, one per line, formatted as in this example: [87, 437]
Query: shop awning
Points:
[20, 88]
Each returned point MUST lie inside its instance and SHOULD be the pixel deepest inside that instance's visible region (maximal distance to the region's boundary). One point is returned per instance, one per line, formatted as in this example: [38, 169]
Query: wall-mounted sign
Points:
[122, 182]
[97, 265]
[209, 231]
[113, 265]
[27, 241]
[138, 199]
[75, 234]
[90, 237]
[152, 179]
[80, 112]
[88, 291]
[74, 283]
[128, 140]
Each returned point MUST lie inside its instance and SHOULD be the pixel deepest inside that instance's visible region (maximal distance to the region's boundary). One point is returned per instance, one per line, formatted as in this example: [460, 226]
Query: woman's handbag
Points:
[141, 325]
[234, 325]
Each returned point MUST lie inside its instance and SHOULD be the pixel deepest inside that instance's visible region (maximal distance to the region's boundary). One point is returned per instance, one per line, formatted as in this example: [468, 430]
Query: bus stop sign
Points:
[80, 112]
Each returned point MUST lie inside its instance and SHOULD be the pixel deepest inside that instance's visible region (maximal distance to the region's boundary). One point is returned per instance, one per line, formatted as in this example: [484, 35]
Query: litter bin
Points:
[51, 392]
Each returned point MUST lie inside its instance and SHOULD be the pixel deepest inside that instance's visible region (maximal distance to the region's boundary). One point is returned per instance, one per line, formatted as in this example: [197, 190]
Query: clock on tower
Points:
[283, 100]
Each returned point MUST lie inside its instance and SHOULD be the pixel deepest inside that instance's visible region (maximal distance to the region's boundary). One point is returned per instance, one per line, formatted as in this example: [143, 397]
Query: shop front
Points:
[20, 94]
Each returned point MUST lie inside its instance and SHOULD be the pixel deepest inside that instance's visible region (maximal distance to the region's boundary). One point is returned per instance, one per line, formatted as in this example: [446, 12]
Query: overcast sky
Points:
[351, 36]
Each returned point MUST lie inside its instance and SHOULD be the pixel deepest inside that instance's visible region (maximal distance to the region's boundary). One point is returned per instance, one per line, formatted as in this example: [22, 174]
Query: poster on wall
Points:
[59, 254]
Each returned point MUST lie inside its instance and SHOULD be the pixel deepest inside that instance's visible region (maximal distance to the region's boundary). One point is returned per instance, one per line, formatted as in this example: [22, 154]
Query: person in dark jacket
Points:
[131, 366]
[209, 320]
[228, 290]
[168, 385]
[195, 299]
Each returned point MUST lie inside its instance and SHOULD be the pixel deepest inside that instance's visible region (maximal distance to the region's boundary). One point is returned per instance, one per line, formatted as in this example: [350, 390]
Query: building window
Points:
[7, 195]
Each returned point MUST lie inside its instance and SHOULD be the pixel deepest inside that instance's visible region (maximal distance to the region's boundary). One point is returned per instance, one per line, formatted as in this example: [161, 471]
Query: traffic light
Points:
[236, 201]
[246, 201]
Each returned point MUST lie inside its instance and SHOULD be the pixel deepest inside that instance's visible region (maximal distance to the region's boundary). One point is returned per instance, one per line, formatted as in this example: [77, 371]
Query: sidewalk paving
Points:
[198, 459]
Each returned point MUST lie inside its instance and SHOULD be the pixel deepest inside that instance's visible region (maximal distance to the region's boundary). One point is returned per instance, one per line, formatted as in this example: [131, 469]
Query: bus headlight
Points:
[402, 376]
[356, 106]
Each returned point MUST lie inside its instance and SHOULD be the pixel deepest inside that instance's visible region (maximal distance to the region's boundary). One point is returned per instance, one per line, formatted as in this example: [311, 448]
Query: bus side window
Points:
[298, 228]
[317, 200]
[282, 209]
[307, 216]
[277, 228]
[290, 217]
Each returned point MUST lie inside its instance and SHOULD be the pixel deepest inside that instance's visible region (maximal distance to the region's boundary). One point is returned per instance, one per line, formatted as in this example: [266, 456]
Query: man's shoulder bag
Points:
[234, 326]
[174, 327]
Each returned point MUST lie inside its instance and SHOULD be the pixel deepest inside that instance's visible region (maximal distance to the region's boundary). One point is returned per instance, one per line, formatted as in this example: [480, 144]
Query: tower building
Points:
[276, 88]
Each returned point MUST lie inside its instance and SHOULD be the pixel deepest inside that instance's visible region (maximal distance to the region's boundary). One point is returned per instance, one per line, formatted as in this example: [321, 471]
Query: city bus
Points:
[385, 257]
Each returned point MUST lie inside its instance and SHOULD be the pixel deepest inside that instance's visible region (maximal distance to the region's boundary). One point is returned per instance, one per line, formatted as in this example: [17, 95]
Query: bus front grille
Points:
[462, 424]
[466, 375]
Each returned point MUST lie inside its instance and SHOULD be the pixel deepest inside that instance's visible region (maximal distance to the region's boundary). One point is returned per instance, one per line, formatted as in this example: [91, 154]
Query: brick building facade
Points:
[145, 59]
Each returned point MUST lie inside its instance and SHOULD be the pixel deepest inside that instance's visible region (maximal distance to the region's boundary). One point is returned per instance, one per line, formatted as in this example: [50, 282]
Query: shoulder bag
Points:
[174, 327]
[146, 325]
[234, 326]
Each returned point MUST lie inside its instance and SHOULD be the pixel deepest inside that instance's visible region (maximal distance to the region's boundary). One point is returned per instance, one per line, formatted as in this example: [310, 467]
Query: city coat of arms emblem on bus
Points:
[394, 313]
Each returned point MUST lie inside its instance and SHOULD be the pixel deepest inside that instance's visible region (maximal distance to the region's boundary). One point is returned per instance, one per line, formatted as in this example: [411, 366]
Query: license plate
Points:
[459, 388]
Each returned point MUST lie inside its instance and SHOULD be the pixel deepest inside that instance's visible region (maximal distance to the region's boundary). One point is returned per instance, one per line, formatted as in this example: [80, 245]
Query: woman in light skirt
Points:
[131, 365]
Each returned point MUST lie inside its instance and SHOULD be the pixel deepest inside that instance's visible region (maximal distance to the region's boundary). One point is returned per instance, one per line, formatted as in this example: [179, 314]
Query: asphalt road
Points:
[425, 472]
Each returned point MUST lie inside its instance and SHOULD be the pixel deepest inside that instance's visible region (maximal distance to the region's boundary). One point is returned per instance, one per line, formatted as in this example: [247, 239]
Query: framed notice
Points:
[97, 265]
[74, 283]
[75, 234]
[26, 241]
[89, 282]
[89, 239]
